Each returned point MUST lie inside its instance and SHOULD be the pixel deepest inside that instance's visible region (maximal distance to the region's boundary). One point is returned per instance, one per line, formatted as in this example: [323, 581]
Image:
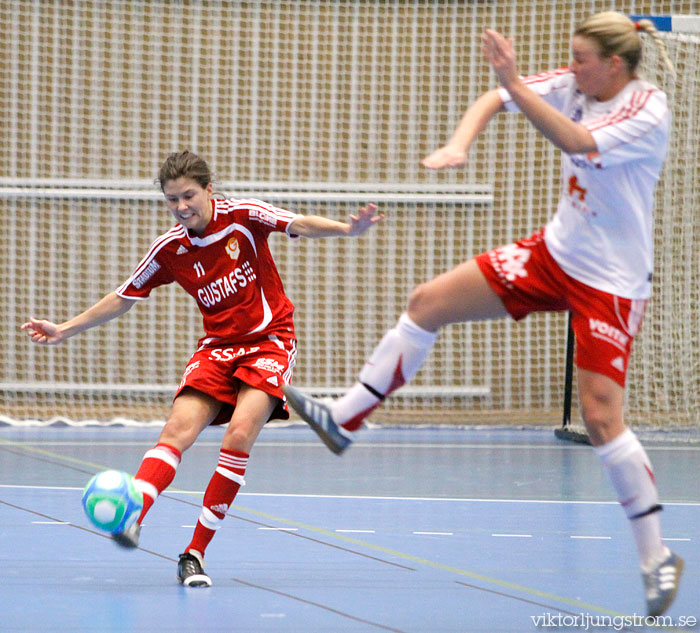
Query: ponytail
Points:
[647, 26]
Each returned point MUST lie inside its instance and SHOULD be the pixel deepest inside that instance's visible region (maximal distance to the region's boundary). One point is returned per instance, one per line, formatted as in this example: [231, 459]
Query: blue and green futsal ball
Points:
[112, 501]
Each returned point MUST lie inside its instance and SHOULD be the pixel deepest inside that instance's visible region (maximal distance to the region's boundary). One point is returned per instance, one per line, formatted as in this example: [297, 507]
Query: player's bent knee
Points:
[425, 307]
[179, 432]
[595, 409]
[238, 438]
[417, 298]
[603, 421]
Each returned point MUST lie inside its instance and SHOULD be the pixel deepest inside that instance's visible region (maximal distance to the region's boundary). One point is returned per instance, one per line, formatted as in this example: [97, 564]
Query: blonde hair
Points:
[616, 34]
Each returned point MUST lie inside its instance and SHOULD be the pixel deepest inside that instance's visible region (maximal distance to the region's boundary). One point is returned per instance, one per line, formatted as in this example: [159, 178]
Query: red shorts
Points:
[528, 279]
[265, 364]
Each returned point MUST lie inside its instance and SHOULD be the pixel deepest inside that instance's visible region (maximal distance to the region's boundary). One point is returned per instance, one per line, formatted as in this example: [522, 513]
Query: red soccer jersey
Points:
[229, 271]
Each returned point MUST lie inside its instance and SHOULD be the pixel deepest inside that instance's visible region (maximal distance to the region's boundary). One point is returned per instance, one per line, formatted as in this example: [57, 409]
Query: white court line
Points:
[21, 486]
[420, 533]
[514, 535]
[455, 445]
[285, 529]
[454, 499]
[279, 529]
[418, 445]
[369, 497]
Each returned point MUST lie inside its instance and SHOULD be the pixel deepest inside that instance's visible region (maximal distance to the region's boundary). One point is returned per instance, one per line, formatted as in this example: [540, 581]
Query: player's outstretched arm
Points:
[317, 226]
[474, 120]
[48, 333]
[572, 138]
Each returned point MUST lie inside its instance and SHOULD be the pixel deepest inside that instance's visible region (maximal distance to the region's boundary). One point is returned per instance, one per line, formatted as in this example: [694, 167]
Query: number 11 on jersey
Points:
[199, 269]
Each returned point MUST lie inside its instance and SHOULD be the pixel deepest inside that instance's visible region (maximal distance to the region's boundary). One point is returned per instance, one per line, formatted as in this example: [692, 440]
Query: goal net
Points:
[317, 106]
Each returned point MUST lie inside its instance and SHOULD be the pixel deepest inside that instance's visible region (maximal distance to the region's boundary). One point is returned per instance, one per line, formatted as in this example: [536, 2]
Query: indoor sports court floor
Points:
[421, 531]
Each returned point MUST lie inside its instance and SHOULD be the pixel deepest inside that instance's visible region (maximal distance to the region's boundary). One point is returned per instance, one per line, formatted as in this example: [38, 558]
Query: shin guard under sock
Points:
[220, 493]
[396, 359]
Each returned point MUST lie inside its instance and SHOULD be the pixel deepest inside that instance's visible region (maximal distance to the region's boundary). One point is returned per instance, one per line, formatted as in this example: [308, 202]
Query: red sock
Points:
[221, 492]
[156, 473]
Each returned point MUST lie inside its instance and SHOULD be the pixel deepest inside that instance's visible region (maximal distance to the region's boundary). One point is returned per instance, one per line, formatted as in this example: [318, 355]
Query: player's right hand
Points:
[446, 156]
[42, 332]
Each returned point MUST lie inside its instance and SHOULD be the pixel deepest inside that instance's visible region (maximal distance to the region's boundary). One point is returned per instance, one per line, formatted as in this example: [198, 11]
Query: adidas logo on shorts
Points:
[618, 363]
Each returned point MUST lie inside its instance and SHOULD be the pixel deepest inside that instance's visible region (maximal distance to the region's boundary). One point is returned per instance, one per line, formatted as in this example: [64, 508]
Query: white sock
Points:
[630, 473]
[358, 402]
[393, 362]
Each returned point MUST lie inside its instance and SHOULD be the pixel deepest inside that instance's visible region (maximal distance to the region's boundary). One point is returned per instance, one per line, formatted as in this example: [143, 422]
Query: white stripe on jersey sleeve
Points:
[175, 233]
[641, 115]
[277, 212]
[636, 103]
[229, 205]
[543, 84]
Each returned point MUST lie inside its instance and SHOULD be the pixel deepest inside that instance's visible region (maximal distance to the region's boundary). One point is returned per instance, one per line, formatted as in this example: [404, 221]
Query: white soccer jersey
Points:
[601, 233]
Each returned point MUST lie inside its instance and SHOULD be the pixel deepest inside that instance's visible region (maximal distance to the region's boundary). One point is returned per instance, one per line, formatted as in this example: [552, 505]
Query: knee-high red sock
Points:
[156, 473]
[220, 493]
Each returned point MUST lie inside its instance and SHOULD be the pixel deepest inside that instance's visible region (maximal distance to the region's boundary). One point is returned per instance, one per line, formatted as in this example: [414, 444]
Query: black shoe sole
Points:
[127, 542]
[329, 433]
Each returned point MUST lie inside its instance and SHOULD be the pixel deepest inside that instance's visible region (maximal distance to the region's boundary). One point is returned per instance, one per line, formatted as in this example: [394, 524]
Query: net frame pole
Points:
[569, 373]
[565, 431]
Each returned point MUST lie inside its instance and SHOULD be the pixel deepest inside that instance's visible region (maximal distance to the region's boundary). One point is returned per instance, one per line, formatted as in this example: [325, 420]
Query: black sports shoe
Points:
[318, 416]
[129, 538]
[190, 571]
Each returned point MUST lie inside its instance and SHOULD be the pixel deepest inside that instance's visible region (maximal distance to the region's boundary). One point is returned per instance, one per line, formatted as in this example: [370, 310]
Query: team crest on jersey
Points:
[233, 249]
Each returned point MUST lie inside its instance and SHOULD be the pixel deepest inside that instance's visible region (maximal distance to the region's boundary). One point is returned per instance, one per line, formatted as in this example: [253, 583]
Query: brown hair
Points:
[616, 34]
[184, 164]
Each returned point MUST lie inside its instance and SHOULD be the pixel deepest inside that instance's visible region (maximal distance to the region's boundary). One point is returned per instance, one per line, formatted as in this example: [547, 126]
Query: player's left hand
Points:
[364, 220]
[43, 332]
[499, 51]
